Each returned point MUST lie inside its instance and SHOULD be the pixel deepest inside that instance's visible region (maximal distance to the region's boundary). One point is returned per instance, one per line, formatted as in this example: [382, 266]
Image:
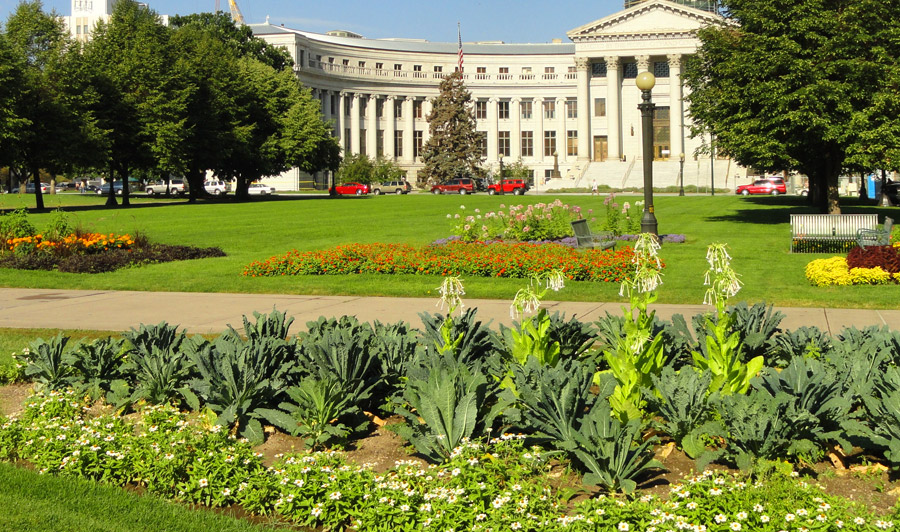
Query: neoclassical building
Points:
[566, 105]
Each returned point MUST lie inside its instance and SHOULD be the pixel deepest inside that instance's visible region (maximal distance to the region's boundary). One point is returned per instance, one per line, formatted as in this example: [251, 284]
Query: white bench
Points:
[817, 233]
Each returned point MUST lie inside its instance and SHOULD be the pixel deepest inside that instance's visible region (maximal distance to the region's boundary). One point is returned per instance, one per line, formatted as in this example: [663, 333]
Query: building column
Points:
[515, 136]
[354, 124]
[562, 146]
[372, 127]
[538, 114]
[614, 127]
[643, 63]
[426, 110]
[583, 67]
[389, 128]
[326, 105]
[492, 128]
[409, 128]
[676, 109]
[345, 142]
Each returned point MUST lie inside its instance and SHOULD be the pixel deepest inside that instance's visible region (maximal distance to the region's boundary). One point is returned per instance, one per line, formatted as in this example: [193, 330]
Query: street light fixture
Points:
[645, 82]
[681, 174]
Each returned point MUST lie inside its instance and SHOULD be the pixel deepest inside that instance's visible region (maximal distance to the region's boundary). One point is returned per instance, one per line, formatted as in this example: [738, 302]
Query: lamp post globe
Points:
[645, 82]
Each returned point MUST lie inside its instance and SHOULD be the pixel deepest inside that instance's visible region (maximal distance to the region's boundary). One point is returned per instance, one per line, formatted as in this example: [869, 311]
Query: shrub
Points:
[827, 272]
[15, 224]
[541, 221]
[869, 276]
[885, 257]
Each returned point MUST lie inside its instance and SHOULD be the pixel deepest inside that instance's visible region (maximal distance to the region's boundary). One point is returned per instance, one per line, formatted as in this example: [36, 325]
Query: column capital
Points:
[373, 96]
[344, 94]
[539, 100]
[643, 63]
[560, 100]
[410, 98]
[356, 95]
[582, 63]
[390, 97]
[493, 99]
[516, 100]
[674, 60]
[612, 62]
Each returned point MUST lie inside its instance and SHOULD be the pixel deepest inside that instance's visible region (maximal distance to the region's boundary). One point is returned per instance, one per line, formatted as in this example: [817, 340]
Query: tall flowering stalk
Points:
[638, 355]
[532, 338]
[451, 292]
[723, 353]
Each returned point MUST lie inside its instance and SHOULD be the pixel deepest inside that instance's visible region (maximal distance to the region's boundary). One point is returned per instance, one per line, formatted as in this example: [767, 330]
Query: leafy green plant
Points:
[273, 325]
[758, 325]
[163, 336]
[723, 353]
[395, 346]
[448, 402]
[314, 412]
[613, 453]
[98, 369]
[681, 399]
[575, 337]
[15, 224]
[531, 337]
[464, 337]
[637, 354]
[160, 375]
[552, 400]
[235, 379]
[810, 342]
[883, 415]
[49, 363]
[59, 225]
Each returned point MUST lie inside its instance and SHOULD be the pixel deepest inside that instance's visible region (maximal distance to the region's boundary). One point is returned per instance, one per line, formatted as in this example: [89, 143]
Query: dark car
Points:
[462, 185]
[892, 191]
[104, 188]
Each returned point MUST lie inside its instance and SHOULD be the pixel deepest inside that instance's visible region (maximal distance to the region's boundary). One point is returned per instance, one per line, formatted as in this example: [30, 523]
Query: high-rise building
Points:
[706, 5]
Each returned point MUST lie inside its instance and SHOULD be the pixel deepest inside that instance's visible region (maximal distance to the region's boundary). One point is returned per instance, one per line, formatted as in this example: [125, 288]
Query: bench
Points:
[588, 239]
[819, 233]
[877, 237]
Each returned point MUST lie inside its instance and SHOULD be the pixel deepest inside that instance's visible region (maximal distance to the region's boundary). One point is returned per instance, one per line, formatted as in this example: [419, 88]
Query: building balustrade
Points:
[428, 77]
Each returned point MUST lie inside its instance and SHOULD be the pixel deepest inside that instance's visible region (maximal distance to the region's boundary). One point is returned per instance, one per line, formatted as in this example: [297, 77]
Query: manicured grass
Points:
[756, 230]
[36, 503]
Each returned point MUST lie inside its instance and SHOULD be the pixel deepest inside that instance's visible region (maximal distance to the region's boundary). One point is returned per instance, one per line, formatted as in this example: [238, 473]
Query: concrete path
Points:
[211, 313]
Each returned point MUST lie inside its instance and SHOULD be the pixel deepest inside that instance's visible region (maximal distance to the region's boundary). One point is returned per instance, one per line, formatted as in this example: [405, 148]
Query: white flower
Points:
[623, 526]
[735, 525]
[720, 518]
[203, 482]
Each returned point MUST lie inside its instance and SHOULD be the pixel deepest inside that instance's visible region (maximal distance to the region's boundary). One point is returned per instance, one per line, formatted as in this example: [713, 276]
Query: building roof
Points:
[409, 45]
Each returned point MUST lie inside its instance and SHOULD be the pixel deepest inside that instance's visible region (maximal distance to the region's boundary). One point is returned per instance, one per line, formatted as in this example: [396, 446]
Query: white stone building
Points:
[577, 99]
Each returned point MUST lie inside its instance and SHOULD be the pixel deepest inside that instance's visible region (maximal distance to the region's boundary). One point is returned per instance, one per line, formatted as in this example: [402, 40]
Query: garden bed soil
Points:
[871, 485]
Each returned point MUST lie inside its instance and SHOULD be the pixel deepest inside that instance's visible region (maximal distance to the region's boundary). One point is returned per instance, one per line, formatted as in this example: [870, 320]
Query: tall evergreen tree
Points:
[454, 148]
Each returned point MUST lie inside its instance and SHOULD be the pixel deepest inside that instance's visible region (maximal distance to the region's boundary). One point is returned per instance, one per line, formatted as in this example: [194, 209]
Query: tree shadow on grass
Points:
[769, 210]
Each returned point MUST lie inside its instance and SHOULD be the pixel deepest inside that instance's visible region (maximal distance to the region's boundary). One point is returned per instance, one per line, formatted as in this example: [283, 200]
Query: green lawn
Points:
[44, 503]
[756, 230]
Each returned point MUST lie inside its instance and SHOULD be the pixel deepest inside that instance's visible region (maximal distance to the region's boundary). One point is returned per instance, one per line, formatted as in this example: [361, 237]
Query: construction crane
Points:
[236, 15]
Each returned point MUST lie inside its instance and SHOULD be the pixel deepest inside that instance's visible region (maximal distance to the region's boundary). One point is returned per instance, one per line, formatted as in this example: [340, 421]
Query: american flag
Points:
[460, 52]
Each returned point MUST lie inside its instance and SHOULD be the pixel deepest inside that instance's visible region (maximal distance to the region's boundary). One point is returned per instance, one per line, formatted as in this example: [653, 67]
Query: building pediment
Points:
[647, 19]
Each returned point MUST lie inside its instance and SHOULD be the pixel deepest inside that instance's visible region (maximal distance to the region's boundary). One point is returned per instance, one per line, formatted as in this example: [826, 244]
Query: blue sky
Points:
[517, 21]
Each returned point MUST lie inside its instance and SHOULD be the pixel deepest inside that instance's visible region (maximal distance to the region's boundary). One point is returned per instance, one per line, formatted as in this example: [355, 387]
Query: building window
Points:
[335, 103]
[504, 70]
[482, 143]
[572, 142]
[598, 70]
[330, 59]
[398, 108]
[379, 66]
[379, 108]
[549, 70]
[525, 110]
[347, 100]
[398, 144]
[571, 109]
[438, 69]
[481, 110]
[417, 68]
[661, 69]
[362, 141]
[417, 143]
[362, 64]
[528, 144]
[599, 107]
[398, 66]
[629, 70]
[417, 108]
[548, 174]
[347, 139]
[503, 109]
[661, 136]
[526, 70]
[572, 70]
[379, 143]
[345, 62]
[481, 70]
[363, 105]
[549, 109]
[503, 143]
[549, 143]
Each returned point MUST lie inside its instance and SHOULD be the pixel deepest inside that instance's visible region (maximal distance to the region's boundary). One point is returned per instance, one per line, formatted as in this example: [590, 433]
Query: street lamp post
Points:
[712, 164]
[645, 82]
[501, 174]
[681, 174]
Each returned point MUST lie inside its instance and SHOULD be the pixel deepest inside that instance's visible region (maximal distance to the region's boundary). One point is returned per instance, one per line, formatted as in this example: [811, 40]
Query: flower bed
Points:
[863, 266]
[495, 259]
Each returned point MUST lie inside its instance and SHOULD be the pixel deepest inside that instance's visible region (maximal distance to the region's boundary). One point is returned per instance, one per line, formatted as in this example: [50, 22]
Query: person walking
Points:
[594, 190]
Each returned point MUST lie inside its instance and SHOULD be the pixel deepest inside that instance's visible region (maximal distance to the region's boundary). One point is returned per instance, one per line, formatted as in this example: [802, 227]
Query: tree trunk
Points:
[195, 184]
[111, 196]
[38, 195]
[53, 184]
[240, 189]
[832, 205]
[126, 190]
[882, 197]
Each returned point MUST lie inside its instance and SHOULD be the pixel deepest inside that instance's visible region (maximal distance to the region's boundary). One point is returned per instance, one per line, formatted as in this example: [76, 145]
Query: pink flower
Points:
[526, 229]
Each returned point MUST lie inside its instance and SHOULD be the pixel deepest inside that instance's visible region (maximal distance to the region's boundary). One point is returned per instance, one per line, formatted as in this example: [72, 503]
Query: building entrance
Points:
[601, 148]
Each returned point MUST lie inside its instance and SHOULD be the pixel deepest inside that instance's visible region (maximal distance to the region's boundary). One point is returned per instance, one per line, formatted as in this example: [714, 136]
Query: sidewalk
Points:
[211, 313]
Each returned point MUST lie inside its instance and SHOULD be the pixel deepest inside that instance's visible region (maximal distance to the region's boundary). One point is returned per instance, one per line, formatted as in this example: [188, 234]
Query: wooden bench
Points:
[588, 239]
[819, 233]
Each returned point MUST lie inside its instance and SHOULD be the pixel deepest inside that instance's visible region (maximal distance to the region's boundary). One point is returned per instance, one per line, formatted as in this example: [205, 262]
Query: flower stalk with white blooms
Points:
[638, 354]
[532, 336]
[723, 353]
[451, 292]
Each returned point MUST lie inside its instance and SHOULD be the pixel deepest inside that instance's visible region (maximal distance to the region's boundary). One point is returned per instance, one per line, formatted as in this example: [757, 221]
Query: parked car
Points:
[773, 186]
[217, 188]
[29, 188]
[391, 187]
[352, 188]
[462, 185]
[104, 188]
[176, 186]
[259, 189]
[891, 189]
[510, 186]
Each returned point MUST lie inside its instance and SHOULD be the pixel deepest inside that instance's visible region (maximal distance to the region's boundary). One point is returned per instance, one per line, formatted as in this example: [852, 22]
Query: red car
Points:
[510, 186]
[352, 188]
[763, 186]
[461, 185]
